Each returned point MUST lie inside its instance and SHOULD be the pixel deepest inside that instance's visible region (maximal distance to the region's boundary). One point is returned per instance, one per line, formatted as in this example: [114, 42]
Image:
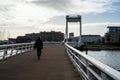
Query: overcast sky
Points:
[27, 16]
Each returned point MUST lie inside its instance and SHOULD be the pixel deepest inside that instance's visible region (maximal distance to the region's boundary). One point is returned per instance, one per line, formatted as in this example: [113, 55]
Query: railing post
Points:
[21, 47]
[89, 75]
[17, 49]
[29, 47]
[5, 52]
[11, 50]
[104, 77]
[25, 48]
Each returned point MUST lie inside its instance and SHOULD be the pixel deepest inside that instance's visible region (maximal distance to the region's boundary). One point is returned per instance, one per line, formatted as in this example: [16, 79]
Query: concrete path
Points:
[53, 65]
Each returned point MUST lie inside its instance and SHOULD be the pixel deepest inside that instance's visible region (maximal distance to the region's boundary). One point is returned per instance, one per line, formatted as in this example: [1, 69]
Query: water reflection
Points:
[110, 58]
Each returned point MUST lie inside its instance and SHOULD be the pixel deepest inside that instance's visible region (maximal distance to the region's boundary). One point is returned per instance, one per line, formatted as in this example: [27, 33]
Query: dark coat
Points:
[38, 44]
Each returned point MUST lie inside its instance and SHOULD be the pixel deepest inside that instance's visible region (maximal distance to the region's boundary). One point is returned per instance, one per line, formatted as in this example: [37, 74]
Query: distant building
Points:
[52, 36]
[71, 35]
[23, 39]
[33, 36]
[12, 40]
[89, 39]
[45, 36]
[113, 35]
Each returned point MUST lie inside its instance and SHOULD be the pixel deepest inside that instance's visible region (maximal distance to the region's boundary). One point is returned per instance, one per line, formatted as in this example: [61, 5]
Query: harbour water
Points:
[108, 57]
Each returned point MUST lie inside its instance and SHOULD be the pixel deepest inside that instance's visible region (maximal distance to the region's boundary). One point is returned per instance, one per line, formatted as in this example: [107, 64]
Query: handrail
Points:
[13, 49]
[91, 68]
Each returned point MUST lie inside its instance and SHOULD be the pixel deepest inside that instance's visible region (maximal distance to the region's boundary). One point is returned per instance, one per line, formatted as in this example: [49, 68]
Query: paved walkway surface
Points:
[53, 65]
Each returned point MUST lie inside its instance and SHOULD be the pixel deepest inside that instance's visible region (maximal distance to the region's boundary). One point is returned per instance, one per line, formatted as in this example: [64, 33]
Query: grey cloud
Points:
[54, 4]
[5, 7]
[58, 20]
[5, 12]
[69, 6]
[14, 26]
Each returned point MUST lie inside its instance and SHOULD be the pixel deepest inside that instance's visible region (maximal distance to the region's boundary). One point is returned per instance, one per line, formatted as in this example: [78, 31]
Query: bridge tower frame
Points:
[76, 18]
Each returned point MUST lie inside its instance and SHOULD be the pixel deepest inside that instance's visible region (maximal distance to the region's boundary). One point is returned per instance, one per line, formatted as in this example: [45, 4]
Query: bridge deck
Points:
[53, 65]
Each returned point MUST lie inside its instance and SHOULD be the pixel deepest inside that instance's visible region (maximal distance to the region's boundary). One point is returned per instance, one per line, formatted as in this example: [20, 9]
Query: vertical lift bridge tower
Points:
[76, 18]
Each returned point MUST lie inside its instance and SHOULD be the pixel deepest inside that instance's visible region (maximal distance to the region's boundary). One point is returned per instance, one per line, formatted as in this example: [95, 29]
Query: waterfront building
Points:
[23, 39]
[113, 35]
[71, 35]
[45, 36]
[89, 39]
[52, 36]
[33, 36]
[12, 40]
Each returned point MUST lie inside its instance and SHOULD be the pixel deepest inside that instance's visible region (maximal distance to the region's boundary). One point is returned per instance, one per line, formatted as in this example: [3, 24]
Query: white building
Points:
[89, 39]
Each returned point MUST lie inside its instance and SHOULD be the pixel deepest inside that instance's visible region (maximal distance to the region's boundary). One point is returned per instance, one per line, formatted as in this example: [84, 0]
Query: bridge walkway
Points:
[53, 65]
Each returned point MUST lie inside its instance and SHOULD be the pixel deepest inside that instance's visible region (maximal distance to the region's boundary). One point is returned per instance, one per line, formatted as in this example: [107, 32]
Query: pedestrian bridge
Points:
[58, 62]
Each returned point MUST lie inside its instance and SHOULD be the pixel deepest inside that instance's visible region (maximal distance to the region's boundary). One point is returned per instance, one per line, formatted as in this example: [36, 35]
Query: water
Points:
[108, 57]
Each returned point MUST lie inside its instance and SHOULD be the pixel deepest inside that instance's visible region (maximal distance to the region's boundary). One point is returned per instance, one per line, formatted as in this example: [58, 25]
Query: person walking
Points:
[38, 45]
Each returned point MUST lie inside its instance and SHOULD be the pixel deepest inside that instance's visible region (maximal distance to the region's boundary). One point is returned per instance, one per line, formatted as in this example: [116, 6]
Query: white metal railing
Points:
[14, 49]
[90, 68]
